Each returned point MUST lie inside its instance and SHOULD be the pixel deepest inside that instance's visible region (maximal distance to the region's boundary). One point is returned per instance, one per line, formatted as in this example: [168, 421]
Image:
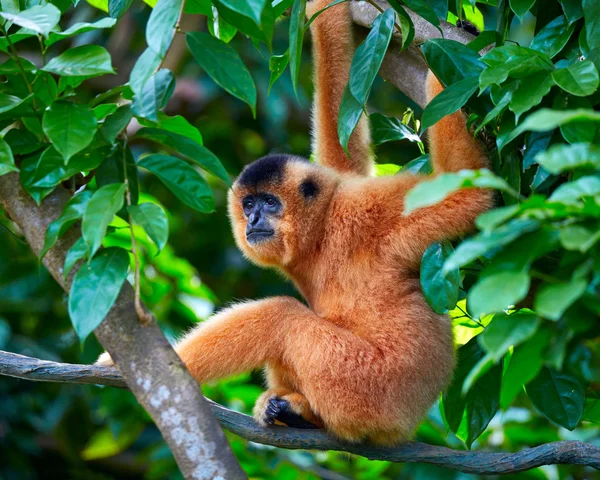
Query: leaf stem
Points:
[144, 317]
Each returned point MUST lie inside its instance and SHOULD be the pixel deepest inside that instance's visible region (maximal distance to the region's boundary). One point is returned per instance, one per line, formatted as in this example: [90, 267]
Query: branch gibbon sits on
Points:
[365, 357]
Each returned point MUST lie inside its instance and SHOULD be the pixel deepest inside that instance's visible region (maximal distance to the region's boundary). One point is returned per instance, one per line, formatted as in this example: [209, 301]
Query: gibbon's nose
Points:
[253, 219]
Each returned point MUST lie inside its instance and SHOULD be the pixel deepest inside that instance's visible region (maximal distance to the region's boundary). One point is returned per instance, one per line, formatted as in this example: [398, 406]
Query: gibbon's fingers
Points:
[281, 410]
[452, 146]
[333, 48]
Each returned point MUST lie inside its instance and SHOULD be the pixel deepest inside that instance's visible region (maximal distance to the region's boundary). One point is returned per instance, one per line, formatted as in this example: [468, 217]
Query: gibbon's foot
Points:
[105, 360]
[281, 410]
[468, 27]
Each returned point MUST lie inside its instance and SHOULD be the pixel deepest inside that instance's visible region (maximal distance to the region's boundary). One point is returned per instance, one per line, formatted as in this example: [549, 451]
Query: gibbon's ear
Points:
[333, 48]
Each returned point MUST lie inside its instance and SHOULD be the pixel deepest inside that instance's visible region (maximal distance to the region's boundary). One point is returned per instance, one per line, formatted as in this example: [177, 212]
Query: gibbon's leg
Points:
[452, 146]
[333, 50]
[330, 367]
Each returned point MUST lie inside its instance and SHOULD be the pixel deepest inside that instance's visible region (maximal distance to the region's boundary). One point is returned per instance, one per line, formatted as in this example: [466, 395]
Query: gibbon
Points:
[365, 357]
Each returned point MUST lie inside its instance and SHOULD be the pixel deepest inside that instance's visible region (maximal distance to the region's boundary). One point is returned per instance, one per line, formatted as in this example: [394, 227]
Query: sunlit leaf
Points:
[86, 60]
[160, 28]
[152, 217]
[154, 95]
[78, 28]
[7, 161]
[39, 18]
[505, 331]
[553, 37]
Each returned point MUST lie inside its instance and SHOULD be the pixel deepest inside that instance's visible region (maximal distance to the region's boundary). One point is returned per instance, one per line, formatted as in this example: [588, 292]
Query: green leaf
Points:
[178, 124]
[440, 289]
[296, 39]
[578, 237]
[116, 8]
[451, 61]
[558, 397]
[571, 193]
[7, 162]
[95, 288]
[100, 211]
[561, 157]
[29, 167]
[369, 56]
[160, 28]
[496, 292]
[430, 192]
[104, 110]
[72, 212]
[77, 252]
[505, 331]
[521, 7]
[77, 28]
[553, 299]
[115, 167]
[530, 92]
[116, 123]
[591, 14]
[228, 10]
[153, 219]
[572, 10]
[388, 129]
[578, 131]
[553, 37]
[224, 66]
[386, 169]
[421, 8]
[39, 19]
[277, 64]
[407, 28]
[580, 78]
[525, 363]
[154, 95]
[248, 8]
[185, 182]
[145, 66]
[419, 166]
[448, 101]
[51, 169]
[487, 241]
[219, 28]
[190, 149]
[69, 126]
[86, 60]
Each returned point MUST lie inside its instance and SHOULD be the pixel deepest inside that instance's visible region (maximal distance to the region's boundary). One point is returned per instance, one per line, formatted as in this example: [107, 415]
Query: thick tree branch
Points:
[483, 463]
[148, 364]
[407, 70]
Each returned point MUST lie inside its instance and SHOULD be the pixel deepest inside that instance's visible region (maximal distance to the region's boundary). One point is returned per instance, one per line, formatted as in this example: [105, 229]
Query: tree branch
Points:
[482, 463]
[407, 70]
[146, 360]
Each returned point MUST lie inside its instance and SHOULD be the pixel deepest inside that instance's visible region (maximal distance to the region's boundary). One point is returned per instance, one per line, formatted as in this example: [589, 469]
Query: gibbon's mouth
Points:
[254, 236]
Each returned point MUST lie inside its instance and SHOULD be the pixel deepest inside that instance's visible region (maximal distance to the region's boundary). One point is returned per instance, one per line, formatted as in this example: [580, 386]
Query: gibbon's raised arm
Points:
[333, 48]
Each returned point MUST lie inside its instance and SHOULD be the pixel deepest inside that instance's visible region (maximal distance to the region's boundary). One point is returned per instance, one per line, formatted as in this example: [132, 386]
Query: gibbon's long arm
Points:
[333, 48]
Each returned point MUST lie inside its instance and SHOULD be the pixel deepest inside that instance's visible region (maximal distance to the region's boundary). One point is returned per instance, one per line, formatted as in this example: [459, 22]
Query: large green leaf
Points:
[83, 61]
[440, 289]
[39, 19]
[363, 70]
[521, 7]
[100, 211]
[571, 193]
[154, 95]
[561, 157]
[77, 252]
[530, 92]
[116, 123]
[407, 27]
[369, 56]
[228, 10]
[496, 292]
[224, 66]
[29, 167]
[249, 8]
[185, 182]
[145, 66]
[591, 14]
[95, 288]
[557, 396]
[190, 149]
[579, 237]
[448, 101]
[553, 299]
[179, 125]
[152, 217]
[160, 28]
[69, 126]
[116, 8]
[451, 61]
[72, 212]
[422, 8]
[525, 363]
[296, 38]
[580, 78]
[7, 161]
[553, 37]
[77, 28]
[505, 331]
[51, 169]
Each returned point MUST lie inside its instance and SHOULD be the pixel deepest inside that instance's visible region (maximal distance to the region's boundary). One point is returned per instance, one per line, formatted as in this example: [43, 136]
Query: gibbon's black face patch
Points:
[267, 169]
[309, 189]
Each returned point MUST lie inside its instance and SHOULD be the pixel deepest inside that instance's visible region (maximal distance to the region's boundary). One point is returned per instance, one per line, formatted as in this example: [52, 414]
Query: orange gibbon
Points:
[365, 357]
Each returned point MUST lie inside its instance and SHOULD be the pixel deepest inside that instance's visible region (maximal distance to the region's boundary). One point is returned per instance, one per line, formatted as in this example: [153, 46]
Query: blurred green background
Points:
[89, 432]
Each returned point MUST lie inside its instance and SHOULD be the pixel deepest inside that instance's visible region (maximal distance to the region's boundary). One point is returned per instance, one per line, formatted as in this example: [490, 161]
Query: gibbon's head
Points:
[277, 207]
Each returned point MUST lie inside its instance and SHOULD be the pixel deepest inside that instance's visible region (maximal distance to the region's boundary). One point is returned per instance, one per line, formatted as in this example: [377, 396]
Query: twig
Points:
[482, 463]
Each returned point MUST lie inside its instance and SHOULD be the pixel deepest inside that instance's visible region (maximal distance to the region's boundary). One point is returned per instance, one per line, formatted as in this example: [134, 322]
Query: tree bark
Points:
[146, 360]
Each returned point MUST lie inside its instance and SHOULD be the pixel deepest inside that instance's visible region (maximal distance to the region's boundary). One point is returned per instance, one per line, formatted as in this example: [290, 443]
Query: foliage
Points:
[78, 112]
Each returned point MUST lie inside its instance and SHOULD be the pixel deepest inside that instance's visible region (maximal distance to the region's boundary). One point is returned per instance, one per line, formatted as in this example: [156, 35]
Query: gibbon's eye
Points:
[270, 201]
[248, 204]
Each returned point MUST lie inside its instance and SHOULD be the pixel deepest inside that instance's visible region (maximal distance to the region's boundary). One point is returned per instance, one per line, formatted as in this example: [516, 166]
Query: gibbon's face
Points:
[274, 206]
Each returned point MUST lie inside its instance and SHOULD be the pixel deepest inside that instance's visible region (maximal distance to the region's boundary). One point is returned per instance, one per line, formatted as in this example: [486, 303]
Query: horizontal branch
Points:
[483, 463]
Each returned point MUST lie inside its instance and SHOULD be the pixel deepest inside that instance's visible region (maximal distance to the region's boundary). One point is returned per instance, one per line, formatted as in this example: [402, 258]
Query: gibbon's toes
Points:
[105, 360]
[281, 410]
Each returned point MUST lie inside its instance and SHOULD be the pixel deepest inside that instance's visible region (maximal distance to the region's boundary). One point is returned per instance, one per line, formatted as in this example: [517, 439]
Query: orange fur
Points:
[367, 357]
